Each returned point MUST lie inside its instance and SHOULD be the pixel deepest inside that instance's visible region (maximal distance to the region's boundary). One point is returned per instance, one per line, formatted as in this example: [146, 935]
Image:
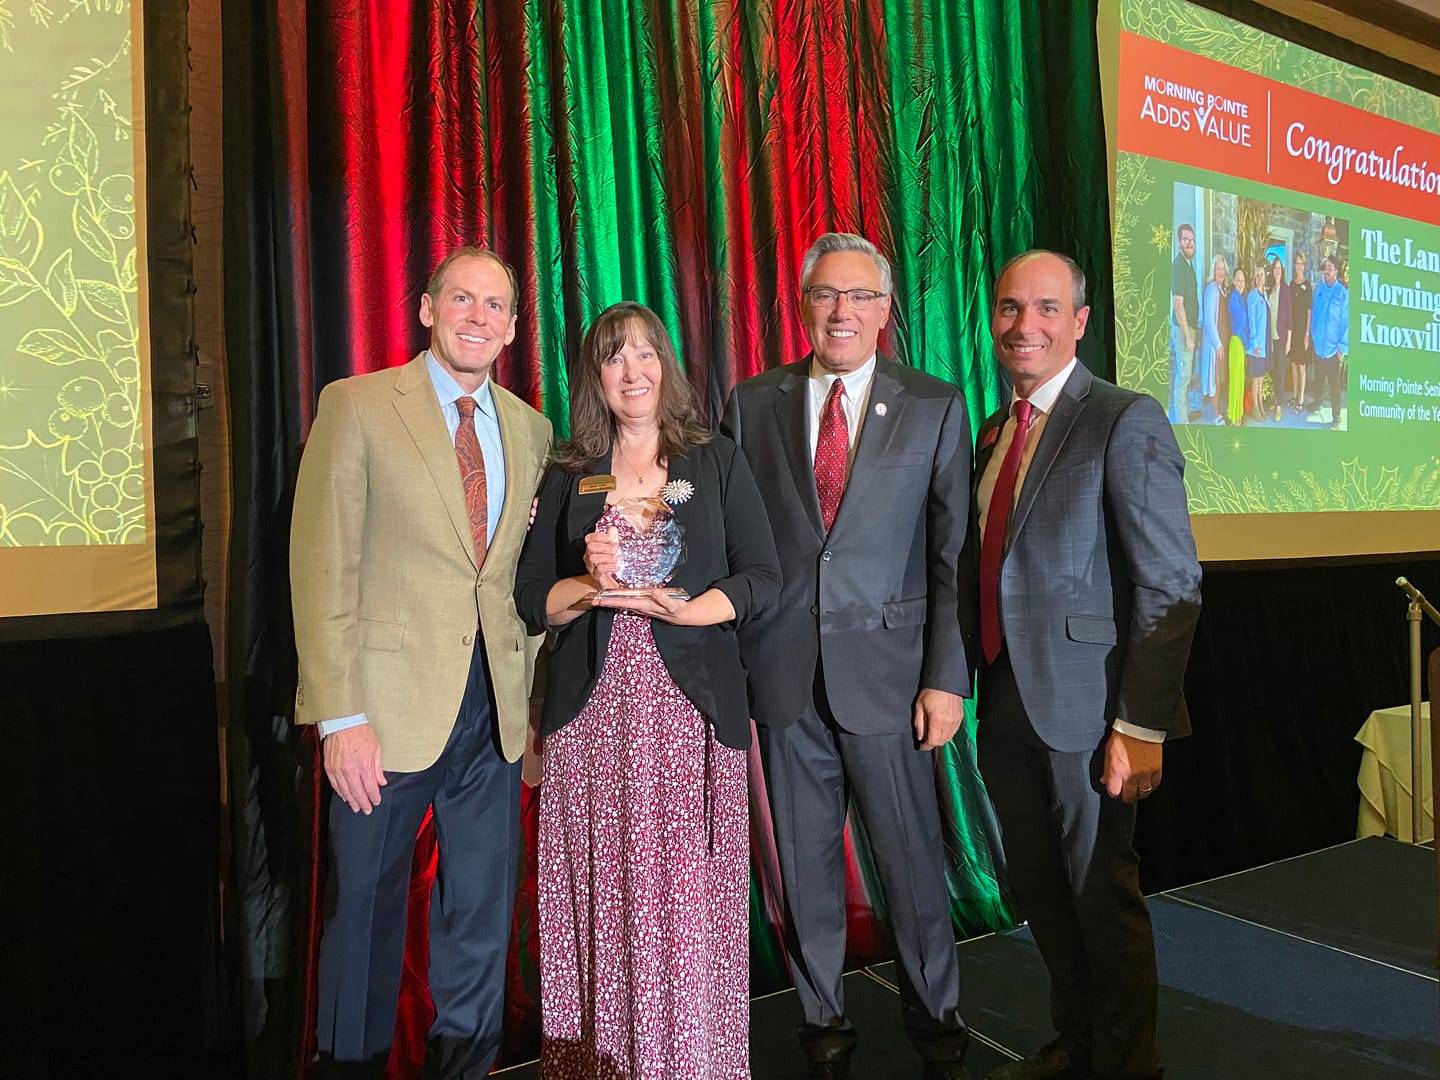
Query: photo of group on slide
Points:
[1259, 312]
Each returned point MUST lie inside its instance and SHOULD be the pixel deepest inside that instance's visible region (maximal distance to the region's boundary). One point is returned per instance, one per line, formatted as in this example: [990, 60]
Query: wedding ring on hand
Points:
[1146, 790]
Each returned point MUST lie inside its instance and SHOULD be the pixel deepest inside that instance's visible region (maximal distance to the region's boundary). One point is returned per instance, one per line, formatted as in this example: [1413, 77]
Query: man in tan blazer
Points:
[411, 506]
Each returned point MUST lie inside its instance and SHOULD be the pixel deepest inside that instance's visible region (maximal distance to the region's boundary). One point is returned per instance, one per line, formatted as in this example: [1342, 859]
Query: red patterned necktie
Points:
[831, 449]
[997, 525]
[472, 476]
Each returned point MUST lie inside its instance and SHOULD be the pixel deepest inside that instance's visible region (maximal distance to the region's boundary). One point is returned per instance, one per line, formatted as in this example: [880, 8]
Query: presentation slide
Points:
[76, 497]
[1276, 218]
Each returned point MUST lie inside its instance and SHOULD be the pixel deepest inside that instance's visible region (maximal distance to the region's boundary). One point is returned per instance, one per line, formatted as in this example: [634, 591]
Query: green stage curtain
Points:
[676, 152]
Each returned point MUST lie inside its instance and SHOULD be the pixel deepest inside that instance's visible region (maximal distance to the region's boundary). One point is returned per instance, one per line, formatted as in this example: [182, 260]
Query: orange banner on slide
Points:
[1200, 112]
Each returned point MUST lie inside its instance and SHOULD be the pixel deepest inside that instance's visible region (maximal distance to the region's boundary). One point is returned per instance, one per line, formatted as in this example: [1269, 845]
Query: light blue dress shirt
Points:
[487, 430]
[1330, 320]
[1257, 340]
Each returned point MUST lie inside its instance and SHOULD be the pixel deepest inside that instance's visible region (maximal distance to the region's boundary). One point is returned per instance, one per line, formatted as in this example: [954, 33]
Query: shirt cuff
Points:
[330, 727]
[1144, 734]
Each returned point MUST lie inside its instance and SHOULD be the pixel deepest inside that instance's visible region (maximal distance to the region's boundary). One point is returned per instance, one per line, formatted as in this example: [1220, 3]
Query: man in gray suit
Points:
[1088, 602]
[858, 673]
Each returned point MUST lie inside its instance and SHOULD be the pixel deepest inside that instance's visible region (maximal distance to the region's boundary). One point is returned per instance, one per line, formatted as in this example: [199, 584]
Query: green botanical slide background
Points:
[71, 443]
[1208, 33]
[1373, 464]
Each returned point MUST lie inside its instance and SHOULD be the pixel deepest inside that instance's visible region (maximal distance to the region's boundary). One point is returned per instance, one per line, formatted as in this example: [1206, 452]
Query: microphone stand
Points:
[1418, 608]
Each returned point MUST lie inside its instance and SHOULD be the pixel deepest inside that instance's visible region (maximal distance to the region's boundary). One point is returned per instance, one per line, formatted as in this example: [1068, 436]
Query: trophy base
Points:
[673, 593]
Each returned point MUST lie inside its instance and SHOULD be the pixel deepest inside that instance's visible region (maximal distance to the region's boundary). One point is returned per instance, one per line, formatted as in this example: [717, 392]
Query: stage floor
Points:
[1324, 965]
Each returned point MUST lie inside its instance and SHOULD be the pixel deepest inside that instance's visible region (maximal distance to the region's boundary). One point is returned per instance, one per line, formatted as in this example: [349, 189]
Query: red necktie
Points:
[831, 449]
[472, 476]
[997, 525]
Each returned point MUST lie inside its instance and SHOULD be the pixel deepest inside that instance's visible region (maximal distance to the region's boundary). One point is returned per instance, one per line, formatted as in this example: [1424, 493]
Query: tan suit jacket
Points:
[387, 598]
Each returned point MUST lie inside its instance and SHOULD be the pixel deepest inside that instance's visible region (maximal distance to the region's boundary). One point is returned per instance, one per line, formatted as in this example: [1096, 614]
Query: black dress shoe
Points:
[945, 1070]
[828, 1050]
[1050, 1062]
[327, 1068]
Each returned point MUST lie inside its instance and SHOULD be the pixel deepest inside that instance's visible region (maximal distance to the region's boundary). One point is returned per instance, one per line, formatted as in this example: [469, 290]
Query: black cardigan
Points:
[728, 546]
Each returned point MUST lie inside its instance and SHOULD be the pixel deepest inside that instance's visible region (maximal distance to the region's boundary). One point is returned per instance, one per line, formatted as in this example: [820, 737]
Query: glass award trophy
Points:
[650, 549]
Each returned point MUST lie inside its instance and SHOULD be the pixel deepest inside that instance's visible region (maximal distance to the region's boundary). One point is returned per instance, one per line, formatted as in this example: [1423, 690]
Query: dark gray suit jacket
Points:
[1100, 587]
[882, 601]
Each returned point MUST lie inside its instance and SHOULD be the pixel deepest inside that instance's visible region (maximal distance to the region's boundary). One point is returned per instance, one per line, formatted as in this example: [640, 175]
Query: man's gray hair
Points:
[1077, 276]
[832, 242]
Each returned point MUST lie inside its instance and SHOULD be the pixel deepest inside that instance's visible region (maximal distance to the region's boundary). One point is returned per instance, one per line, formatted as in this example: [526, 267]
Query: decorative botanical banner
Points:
[683, 155]
[74, 394]
[1271, 155]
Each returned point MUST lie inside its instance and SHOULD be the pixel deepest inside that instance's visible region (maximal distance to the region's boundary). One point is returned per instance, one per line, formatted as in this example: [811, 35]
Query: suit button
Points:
[467, 639]
[825, 556]
[814, 609]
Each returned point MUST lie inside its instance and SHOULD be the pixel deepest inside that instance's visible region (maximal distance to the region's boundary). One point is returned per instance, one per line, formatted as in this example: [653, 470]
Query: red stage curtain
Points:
[680, 154]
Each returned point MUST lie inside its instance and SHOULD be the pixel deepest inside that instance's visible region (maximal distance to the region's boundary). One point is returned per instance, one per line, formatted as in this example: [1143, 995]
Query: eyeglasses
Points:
[825, 296]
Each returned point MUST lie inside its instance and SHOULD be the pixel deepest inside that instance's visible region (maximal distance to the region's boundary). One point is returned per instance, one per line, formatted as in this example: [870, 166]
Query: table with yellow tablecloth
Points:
[1385, 777]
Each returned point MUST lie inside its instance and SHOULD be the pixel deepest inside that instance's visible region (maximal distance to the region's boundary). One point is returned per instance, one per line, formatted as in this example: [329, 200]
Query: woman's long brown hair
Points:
[592, 426]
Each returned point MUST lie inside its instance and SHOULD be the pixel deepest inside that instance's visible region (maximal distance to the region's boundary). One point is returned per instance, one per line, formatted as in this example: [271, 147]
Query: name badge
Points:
[591, 484]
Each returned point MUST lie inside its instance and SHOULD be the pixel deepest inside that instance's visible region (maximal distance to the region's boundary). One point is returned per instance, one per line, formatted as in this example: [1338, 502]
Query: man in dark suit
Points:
[410, 510]
[1088, 602]
[858, 673]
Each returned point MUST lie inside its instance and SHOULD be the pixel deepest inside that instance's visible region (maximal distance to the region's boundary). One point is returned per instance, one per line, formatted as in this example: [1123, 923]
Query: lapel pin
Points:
[880, 408]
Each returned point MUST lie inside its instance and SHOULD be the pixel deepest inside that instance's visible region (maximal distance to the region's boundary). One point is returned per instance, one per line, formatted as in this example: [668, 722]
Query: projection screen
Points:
[1308, 410]
[77, 506]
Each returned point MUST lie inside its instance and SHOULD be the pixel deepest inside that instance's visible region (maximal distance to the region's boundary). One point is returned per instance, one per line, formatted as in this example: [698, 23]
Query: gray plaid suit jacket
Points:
[1100, 587]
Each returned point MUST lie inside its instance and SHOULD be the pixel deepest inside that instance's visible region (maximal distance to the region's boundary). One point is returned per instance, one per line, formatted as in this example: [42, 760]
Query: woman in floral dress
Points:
[644, 830]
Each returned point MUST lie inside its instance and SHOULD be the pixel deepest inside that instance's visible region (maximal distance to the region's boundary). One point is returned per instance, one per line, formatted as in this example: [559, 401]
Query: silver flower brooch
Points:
[677, 492]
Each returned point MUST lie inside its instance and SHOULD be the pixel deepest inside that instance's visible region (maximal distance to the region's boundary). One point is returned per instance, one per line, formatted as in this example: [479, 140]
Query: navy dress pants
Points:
[475, 793]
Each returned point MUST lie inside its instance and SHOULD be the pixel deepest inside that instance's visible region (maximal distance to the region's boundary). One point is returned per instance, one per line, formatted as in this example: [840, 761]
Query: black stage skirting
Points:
[108, 878]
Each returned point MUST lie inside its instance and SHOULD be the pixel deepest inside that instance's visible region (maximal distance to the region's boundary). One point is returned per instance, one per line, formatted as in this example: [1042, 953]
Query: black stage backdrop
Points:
[271, 771]
[110, 906]
[110, 804]
[1287, 664]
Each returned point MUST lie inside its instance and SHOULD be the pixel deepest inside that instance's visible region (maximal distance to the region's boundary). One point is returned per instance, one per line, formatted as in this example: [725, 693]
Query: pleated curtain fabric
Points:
[681, 154]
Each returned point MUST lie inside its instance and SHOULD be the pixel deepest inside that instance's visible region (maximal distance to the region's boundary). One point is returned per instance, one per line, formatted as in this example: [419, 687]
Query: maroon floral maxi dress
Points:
[643, 879]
